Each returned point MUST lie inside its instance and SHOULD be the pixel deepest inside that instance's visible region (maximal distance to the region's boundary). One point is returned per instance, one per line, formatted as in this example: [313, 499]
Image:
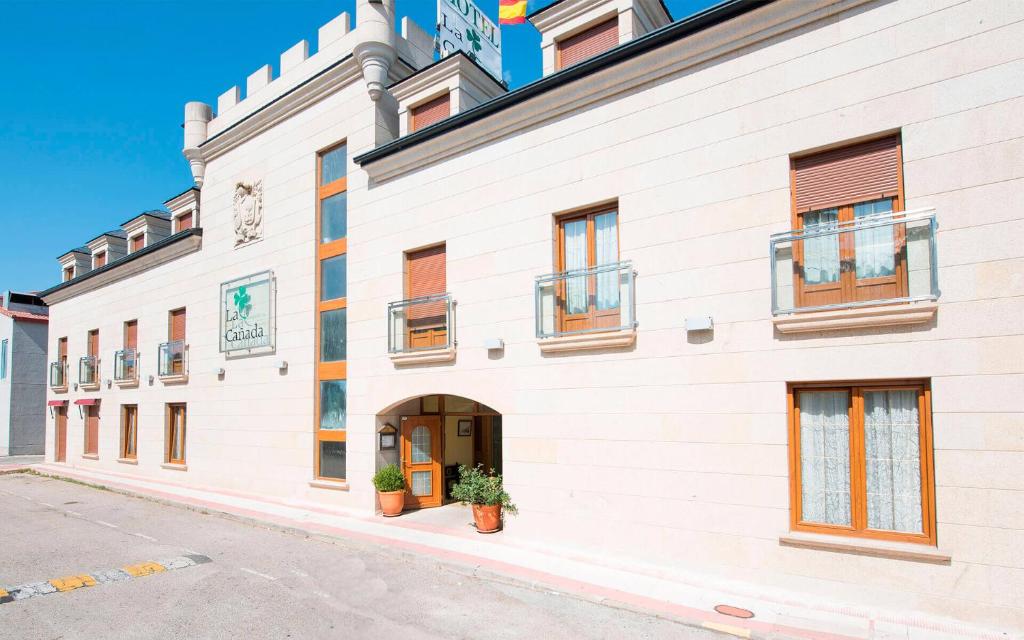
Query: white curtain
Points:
[825, 457]
[874, 247]
[576, 260]
[821, 254]
[893, 455]
[606, 231]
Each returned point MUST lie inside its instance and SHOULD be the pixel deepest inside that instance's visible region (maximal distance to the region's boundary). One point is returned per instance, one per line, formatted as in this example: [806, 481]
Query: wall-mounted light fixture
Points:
[281, 364]
[219, 371]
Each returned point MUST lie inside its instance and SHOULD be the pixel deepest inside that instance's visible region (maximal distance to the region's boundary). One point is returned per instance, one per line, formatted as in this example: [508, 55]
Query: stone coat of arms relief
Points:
[248, 212]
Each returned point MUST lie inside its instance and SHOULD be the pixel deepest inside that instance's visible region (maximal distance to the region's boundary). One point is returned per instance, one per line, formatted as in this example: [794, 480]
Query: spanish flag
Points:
[511, 11]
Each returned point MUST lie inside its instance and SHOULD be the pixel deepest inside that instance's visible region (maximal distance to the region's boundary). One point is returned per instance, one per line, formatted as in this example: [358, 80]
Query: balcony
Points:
[592, 308]
[172, 361]
[88, 373]
[877, 270]
[59, 376]
[422, 330]
[126, 368]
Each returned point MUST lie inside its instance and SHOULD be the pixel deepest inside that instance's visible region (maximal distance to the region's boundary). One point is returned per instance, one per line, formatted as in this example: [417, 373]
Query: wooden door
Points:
[588, 302]
[60, 423]
[92, 429]
[876, 257]
[421, 461]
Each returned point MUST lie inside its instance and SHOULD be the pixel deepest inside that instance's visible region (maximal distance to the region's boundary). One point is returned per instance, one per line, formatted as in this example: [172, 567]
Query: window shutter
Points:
[138, 242]
[430, 112]
[588, 44]
[94, 342]
[177, 325]
[101, 259]
[62, 348]
[425, 277]
[858, 173]
[185, 221]
[131, 335]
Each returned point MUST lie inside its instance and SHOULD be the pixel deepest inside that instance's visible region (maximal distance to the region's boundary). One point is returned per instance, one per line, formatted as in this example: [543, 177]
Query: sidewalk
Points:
[689, 597]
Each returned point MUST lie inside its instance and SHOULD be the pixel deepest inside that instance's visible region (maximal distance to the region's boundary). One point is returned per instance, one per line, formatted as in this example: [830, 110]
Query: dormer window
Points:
[587, 43]
[69, 273]
[99, 259]
[430, 112]
[137, 243]
[183, 222]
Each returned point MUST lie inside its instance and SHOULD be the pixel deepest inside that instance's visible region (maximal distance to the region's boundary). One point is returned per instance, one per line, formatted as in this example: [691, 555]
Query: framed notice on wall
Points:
[248, 314]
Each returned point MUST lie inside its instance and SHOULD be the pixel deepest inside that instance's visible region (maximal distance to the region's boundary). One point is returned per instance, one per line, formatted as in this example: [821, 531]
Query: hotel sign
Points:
[248, 314]
[462, 26]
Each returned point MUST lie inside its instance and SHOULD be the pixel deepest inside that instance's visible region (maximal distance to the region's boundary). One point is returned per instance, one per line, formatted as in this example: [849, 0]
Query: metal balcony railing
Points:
[421, 324]
[597, 299]
[171, 359]
[878, 259]
[58, 375]
[88, 370]
[126, 365]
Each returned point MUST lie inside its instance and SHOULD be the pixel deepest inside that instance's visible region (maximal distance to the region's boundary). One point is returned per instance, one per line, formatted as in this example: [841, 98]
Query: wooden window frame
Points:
[589, 214]
[69, 273]
[858, 464]
[129, 452]
[169, 412]
[327, 371]
[848, 284]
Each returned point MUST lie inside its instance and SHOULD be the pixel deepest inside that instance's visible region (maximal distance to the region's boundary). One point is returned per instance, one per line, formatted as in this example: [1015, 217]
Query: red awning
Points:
[86, 401]
[56, 403]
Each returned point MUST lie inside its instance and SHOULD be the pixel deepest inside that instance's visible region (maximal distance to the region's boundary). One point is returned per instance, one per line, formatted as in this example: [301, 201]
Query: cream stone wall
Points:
[675, 451]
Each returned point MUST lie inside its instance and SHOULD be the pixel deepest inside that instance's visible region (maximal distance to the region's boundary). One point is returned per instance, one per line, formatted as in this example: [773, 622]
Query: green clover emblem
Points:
[474, 37]
[242, 300]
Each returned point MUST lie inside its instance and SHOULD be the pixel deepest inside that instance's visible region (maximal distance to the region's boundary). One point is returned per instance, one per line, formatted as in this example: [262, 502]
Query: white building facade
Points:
[738, 292]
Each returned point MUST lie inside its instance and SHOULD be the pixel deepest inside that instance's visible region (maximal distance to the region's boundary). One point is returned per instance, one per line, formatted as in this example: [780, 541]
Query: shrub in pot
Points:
[390, 484]
[487, 496]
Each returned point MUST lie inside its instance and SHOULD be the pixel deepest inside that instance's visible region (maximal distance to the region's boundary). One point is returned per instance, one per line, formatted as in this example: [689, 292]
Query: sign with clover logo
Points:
[462, 26]
[248, 315]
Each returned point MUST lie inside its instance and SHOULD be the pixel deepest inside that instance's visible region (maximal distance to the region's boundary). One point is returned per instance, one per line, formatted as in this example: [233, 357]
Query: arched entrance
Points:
[434, 434]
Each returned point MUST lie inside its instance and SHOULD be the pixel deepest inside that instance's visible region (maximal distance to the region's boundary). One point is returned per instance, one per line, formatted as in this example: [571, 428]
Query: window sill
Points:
[329, 484]
[91, 456]
[426, 356]
[588, 341]
[88, 386]
[175, 378]
[63, 389]
[127, 384]
[909, 551]
[856, 318]
[128, 461]
[173, 466]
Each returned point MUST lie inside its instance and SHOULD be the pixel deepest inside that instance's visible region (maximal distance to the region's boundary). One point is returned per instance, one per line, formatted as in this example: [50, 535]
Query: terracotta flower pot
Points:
[391, 502]
[487, 517]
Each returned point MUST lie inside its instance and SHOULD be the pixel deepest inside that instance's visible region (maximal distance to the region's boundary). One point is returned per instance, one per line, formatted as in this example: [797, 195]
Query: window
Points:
[92, 429]
[587, 44]
[172, 354]
[3, 359]
[62, 353]
[93, 343]
[426, 275]
[99, 259]
[69, 273]
[183, 222]
[129, 431]
[174, 447]
[587, 241]
[843, 189]
[137, 242]
[861, 460]
[125, 363]
[331, 313]
[430, 112]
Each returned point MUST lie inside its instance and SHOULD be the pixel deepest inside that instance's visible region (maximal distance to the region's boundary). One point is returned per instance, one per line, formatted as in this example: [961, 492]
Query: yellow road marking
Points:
[143, 569]
[739, 632]
[3, 594]
[69, 583]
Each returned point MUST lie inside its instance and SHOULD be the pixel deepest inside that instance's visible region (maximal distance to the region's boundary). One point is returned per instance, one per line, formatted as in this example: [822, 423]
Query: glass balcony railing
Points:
[88, 370]
[126, 365]
[58, 375]
[878, 259]
[590, 300]
[421, 323]
[171, 359]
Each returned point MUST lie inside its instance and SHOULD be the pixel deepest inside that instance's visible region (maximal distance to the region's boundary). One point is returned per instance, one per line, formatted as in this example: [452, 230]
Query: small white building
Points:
[739, 291]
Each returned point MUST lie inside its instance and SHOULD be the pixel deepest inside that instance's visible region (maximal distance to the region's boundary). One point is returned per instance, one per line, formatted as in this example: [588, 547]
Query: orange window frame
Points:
[174, 410]
[858, 463]
[129, 438]
[326, 371]
[593, 318]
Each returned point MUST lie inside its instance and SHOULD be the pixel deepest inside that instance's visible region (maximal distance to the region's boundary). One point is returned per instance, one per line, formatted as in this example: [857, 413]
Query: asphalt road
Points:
[260, 582]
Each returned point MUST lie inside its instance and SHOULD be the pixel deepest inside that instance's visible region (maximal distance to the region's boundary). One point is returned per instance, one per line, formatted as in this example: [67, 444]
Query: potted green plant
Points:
[390, 484]
[486, 494]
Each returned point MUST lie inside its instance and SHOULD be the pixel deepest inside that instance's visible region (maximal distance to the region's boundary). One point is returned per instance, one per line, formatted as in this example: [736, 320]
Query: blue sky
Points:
[93, 97]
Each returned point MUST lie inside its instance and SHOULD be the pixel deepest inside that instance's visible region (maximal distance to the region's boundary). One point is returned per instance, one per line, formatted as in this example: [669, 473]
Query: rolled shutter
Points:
[425, 277]
[589, 43]
[185, 221]
[430, 112]
[138, 242]
[62, 348]
[131, 335]
[177, 325]
[858, 173]
[101, 259]
[94, 342]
